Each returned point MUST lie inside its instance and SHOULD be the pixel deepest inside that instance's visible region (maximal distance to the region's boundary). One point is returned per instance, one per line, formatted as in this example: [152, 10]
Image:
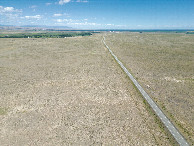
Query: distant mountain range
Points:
[44, 26]
[66, 28]
[6, 25]
[33, 27]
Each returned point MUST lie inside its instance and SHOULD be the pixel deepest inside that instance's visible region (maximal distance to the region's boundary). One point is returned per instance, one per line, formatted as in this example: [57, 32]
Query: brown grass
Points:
[69, 92]
[164, 66]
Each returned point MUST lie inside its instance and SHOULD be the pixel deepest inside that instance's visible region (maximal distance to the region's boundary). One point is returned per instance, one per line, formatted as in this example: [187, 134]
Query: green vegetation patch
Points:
[190, 32]
[3, 111]
[45, 35]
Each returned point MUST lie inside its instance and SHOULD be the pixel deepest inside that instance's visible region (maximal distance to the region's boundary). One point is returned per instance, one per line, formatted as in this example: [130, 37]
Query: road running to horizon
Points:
[69, 91]
[172, 129]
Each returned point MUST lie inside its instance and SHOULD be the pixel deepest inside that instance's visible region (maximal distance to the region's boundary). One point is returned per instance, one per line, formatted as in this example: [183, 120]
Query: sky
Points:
[100, 14]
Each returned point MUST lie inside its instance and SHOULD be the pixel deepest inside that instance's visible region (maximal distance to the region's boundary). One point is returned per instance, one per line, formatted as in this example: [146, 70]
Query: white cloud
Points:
[59, 20]
[9, 10]
[81, 1]
[9, 14]
[33, 17]
[110, 24]
[121, 25]
[114, 25]
[57, 15]
[33, 6]
[65, 20]
[76, 22]
[84, 24]
[47, 4]
[61, 2]
[67, 15]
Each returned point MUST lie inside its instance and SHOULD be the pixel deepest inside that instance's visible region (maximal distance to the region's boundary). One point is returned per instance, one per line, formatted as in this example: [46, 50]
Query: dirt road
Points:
[69, 92]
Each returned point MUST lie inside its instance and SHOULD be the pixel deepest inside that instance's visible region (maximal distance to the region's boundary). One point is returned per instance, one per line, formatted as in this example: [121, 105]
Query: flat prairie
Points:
[70, 91]
[163, 63]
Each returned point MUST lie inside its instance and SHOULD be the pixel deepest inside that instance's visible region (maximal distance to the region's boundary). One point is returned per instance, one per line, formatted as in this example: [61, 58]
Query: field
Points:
[163, 63]
[70, 91]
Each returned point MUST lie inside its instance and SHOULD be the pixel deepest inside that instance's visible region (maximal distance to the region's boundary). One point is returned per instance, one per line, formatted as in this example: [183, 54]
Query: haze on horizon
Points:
[94, 14]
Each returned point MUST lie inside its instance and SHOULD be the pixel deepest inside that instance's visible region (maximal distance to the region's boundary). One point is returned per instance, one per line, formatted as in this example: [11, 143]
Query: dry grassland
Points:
[69, 92]
[163, 63]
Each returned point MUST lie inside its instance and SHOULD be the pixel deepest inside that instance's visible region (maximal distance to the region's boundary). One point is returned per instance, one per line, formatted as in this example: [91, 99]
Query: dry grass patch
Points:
[69, 92]
[163, 63]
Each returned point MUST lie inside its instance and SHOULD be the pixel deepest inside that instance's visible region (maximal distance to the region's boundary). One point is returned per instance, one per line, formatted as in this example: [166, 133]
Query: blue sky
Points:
[100, 14]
